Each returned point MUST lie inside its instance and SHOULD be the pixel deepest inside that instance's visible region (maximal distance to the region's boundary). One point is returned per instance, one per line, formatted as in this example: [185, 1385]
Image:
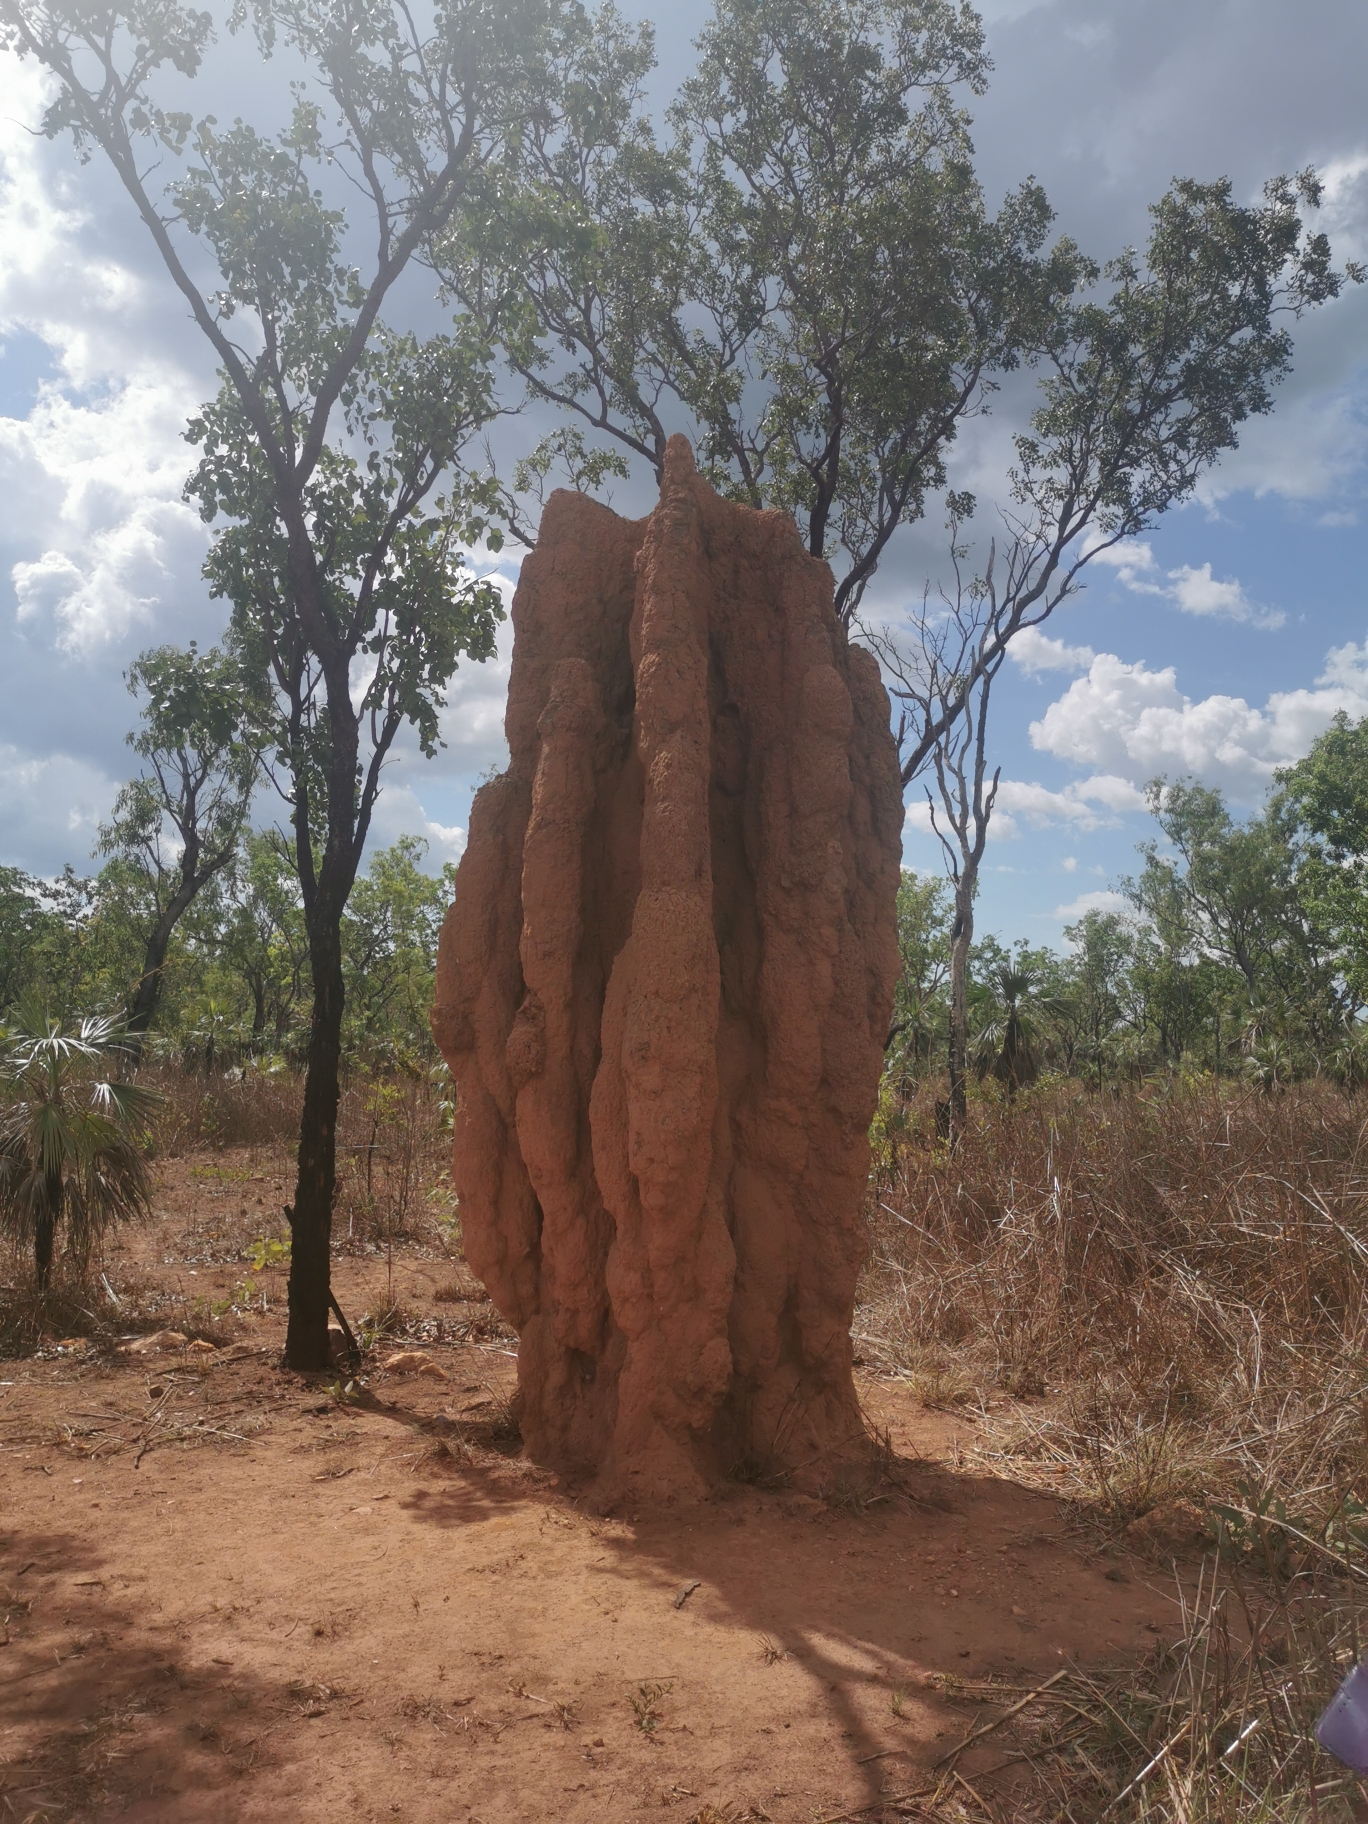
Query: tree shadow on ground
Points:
[100, 1719]
[943, 1572]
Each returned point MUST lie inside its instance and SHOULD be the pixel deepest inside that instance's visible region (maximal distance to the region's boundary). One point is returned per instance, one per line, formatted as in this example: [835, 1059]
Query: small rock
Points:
[160, 1339]
[413, 1361]
[1172, 1526]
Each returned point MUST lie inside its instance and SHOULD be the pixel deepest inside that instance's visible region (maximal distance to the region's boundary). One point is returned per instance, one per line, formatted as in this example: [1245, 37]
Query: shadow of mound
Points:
[864, 1618]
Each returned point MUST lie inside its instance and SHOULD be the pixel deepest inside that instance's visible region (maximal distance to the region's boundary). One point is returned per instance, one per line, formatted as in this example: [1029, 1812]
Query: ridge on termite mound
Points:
[663, 989]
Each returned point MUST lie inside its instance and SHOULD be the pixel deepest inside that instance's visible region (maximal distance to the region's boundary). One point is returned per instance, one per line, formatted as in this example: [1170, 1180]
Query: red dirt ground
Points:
[227, 1593]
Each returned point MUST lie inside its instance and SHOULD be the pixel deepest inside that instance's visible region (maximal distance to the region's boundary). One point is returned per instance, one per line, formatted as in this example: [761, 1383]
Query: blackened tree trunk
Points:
[143, 1007]
[326, 886]
[961, 770]
[306, 1340]
[45, 1230]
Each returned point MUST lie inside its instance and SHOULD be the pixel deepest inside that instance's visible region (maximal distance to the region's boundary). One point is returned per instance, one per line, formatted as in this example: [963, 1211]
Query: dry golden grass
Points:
[248, 1108]
[1158, 1304]
[1185, 1272]
[392, 1150]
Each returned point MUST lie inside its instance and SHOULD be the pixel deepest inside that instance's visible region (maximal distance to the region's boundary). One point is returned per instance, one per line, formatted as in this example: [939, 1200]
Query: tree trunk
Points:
[148, 991]
[306, 1339]
[143, 1008]
[44, 1232]
[961, 936]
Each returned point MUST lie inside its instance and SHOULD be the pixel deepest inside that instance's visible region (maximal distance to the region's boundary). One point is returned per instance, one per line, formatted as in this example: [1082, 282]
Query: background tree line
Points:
[1243, 950]
[235, 982]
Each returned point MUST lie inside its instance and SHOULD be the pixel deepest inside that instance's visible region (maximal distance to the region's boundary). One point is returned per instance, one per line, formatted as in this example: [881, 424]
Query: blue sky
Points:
[1221, 648]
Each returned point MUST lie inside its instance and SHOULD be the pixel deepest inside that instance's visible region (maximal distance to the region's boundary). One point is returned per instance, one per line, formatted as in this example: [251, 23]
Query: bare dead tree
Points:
[956, 642]
[939, 700]
[961, 769]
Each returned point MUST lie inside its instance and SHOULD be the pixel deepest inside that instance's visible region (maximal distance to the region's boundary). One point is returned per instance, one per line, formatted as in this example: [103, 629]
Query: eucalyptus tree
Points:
[25, 921]
[1250, 898]
[924, 919]
[803, 274]
[1323, 802]
[258, 938]
[390, 951]
[324, 454]
[1100, 997]
[178, 824]
[967, 797]
[805, 277]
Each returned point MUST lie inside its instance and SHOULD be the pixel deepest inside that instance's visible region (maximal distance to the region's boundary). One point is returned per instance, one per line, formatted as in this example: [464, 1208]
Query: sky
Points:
[1218, 646]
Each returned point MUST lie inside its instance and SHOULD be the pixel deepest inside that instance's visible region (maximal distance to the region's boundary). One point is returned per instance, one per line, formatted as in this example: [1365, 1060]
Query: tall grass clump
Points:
[1186, 1266]
[1157, 1302]
[247, 1106]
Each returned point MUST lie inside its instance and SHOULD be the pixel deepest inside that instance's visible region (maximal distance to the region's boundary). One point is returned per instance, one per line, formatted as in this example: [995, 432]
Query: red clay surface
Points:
[230, 1595]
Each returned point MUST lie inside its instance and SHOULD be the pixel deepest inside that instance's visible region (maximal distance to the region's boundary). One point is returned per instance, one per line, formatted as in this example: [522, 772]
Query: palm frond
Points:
[72, 1144]
[132, 1105]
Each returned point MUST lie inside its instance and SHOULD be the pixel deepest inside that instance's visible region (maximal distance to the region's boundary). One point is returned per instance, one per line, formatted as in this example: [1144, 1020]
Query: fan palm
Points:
[71, 1138]
[1007, 1042]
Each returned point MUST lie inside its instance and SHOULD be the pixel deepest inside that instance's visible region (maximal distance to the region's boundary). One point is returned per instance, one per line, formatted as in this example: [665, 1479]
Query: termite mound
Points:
[663, 990]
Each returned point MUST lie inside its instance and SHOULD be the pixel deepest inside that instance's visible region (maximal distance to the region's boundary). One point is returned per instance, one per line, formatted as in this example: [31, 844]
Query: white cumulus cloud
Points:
[1191, 588]
[1086, 804]
[1035, 652]
[96, 538]
[1133, 723]
[1102, 899]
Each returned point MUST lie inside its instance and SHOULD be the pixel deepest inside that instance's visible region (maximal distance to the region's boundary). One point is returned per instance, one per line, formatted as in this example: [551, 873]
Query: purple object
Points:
[1344, 1727]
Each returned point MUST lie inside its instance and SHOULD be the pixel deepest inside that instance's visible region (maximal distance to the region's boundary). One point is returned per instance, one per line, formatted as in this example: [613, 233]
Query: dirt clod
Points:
[413, 1361]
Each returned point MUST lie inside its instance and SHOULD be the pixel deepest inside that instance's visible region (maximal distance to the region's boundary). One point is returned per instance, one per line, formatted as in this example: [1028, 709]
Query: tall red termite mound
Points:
[663, 990]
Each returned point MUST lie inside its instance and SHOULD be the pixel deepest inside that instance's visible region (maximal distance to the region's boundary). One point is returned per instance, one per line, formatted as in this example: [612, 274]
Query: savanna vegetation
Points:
[1117, 1202]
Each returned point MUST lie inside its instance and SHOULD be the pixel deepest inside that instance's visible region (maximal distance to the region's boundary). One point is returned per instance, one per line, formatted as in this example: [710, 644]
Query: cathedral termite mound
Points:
[663, 991]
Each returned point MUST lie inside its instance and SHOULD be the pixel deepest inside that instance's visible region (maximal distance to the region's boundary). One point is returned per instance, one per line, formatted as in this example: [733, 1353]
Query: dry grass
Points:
[1215, 1727]
[77, 1312]
[1158, 1305]
[251, 1108]
[392, 1149]
[1186, 1273]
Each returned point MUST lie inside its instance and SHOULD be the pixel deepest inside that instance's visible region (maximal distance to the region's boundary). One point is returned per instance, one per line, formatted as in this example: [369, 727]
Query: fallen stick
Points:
[1147, 1770]
[201, 1430]
[151, 1427]
[988, 1728]
[899, 1798]
[976, 1797]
